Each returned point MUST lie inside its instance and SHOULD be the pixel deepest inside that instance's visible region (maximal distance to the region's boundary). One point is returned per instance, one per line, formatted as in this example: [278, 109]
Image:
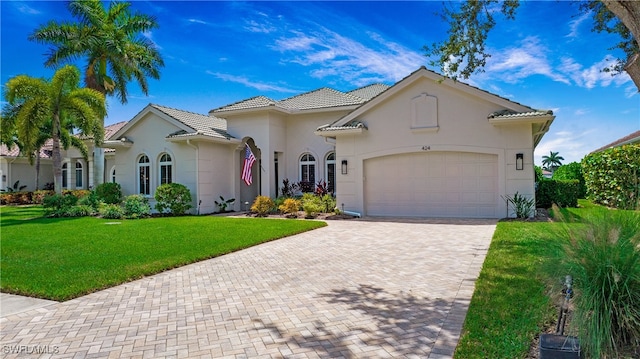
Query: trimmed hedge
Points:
[564, 193]
[572, 171]
[612, 177]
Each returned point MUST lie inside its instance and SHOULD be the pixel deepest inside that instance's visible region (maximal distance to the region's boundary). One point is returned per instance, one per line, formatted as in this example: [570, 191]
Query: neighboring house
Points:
[426, 146]
[77, 173]
[630, 139]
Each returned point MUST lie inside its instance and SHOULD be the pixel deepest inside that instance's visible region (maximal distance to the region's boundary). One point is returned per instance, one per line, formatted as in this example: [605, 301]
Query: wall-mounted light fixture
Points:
[344, 167]
[519, 161]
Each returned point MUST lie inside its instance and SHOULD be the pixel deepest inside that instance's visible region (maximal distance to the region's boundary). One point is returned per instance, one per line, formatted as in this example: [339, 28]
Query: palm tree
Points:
[59, 106]
[552, 162]
[112, 41]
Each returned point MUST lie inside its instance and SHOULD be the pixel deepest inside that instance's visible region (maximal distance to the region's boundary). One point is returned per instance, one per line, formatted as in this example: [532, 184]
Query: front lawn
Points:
[511, 304]
[63, 258]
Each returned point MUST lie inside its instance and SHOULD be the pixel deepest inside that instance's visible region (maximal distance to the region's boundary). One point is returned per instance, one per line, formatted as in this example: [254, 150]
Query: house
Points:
[77, 173]
[630, 139]
[425, 146]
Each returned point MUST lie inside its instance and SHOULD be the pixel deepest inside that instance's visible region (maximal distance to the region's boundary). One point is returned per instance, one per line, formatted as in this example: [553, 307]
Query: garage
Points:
[432, 184]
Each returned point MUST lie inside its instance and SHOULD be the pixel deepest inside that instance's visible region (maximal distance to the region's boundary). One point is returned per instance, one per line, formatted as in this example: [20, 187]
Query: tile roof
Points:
[370, 91]
[321, 98]
[351, 125]
[514, 114]
[200, 124]
[253, 102]
[630, 138]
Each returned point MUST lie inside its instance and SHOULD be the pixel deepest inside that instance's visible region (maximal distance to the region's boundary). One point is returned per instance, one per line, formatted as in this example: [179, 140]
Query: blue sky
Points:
[220, 52]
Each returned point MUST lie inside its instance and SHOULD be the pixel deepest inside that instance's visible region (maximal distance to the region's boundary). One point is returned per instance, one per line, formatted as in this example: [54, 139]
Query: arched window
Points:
[330, 170]
[308, 168]
[65, 175]
[166, 169]
[144, 181]
[113, 174]
[78, 175]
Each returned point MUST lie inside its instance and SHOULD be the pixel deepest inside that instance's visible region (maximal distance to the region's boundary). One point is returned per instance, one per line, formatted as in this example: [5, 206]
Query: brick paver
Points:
[354, 289]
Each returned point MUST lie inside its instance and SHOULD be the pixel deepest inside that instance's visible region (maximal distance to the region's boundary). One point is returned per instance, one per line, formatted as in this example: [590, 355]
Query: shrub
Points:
[111, 211]
[289, 189]
[58, 205]
[136, 206]
[538, 171]
[329, 203]
[612, 177]
[561, 192]
[77, 193]
[603, 256]
[38, 196]
[322, 188]
[306, 187]
[80, 210]
[173, 198]
[311, 205]
[262, 206]
[522, 206]
[223, 204]
[16, 197]
[109, 192]
[290, 207]
[572, 171]
[90, 200]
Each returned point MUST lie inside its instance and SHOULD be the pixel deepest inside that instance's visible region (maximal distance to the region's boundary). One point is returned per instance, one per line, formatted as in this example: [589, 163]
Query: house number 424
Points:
[426, 148]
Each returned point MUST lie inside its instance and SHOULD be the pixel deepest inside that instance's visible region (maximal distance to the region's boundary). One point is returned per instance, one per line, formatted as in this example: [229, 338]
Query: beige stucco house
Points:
[426, 146]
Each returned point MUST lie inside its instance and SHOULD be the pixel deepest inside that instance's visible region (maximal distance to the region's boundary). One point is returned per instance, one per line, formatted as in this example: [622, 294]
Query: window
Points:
[308, 168]
[144, 181]
[65, 173]
[113, 174]
[78, 175]
[331, 171]
[166, 169]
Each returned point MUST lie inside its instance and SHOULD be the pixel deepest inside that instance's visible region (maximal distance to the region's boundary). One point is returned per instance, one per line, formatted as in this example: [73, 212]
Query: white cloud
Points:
[570, 145]
[27, 10]
[581, 112]
[149, 36]
[516, 63]
[575, 24]
[196, 21]
[245, 81]
[257, 27]
[352, 60]
[593, 75]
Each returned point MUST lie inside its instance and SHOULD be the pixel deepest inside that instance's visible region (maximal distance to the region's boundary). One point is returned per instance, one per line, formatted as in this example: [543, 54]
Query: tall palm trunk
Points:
[56, 156]
[37, 169]
[91, 80]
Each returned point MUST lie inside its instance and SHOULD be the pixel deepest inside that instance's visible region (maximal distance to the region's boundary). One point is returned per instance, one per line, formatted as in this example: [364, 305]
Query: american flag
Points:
[249, 159]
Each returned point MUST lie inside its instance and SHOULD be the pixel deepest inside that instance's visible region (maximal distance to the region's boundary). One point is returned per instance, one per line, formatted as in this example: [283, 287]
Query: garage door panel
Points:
[432, 184]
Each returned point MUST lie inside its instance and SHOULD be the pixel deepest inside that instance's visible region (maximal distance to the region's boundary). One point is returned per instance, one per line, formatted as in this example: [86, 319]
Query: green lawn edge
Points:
[64, 258]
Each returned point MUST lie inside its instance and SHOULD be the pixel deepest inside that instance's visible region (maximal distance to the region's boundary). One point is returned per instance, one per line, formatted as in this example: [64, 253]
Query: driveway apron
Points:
[354, 289]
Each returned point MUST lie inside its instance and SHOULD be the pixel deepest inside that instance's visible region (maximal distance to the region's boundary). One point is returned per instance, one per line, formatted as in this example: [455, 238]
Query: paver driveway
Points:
[354, 289]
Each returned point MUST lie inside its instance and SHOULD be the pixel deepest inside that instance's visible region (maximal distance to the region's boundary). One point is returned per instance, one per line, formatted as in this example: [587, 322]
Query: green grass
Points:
[511, 303]
[63, 258]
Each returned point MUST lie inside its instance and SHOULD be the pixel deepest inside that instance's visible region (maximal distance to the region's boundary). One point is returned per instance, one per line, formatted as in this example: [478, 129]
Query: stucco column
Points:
[98, 166]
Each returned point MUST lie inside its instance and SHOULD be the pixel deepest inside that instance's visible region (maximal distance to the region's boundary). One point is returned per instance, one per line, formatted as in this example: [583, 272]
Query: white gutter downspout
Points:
[197, 174]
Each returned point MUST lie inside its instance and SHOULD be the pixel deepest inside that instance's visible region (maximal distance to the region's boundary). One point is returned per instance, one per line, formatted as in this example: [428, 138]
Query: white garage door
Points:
[432, 184]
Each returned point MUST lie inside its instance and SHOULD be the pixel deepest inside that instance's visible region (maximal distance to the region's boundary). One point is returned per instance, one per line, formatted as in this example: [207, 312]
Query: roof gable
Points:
[188, 123]
[422, 73]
